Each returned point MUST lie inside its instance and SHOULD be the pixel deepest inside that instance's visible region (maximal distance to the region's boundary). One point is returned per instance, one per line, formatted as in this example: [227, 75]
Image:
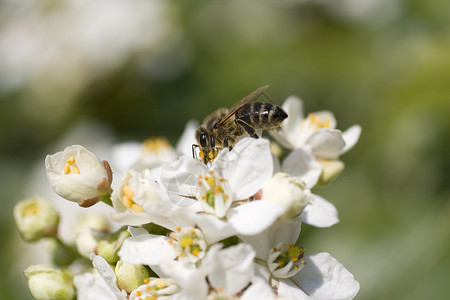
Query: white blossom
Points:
[78, 175]
[313, 139]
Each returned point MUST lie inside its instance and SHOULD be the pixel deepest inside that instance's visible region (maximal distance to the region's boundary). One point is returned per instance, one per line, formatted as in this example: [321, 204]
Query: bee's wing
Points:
[253, 95]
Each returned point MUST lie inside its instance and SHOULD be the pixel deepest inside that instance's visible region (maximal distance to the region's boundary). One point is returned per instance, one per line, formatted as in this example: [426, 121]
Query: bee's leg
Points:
[250, 130]
[227, 142]
[193, 151]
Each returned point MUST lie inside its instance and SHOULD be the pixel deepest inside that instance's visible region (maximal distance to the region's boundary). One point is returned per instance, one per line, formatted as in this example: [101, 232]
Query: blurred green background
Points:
[144, 68]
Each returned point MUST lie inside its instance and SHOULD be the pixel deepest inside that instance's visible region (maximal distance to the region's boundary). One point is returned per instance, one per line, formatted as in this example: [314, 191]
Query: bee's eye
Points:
[202, 139]
[213, 144]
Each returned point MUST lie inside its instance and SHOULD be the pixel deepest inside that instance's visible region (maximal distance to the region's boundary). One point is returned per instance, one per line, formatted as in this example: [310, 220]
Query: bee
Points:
[225, 127]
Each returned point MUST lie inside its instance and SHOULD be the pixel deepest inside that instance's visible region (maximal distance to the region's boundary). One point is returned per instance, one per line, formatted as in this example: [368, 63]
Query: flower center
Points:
[156, 287]
[33, 209]
[127, 199]
[189, 243]
[155, 144]
[70, 167]
[315, 122]
[286, 260]
[213, 189]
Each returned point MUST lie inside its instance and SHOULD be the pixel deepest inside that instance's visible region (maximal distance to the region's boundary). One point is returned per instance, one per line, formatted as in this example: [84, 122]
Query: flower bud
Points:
[130, 276]
[78, 175]
[287, 191]
[330, 169]
[47, 283]
[108, 249]
[36, 218]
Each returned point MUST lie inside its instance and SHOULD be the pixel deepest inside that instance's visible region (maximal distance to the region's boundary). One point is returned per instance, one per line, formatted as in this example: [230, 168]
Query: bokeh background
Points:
[103, 72]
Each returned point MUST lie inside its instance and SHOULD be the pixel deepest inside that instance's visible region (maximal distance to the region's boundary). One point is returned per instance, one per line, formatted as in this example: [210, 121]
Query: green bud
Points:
[36, 218]
[108, 248]
[47, 283]
[130, 276]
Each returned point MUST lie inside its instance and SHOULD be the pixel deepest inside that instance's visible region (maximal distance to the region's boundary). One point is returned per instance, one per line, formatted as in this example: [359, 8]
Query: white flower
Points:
[233, 176]
[295, 276]
[292, 194]
[288, 191]
[136, 194]
[78, 175]
[223, 273]
[313, 139]
[149, 154]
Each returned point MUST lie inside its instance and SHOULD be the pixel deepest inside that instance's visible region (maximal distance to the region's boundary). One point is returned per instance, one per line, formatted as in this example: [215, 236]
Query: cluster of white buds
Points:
[228, 229]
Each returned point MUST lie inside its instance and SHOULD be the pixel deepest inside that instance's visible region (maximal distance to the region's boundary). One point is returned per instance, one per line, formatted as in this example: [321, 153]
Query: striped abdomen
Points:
[261, 115]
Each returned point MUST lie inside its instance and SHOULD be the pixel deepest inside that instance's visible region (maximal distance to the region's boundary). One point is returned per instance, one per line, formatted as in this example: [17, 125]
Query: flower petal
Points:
[254, 217]
[323, 277]
[147, 249]
[93, 287]
[326, 115]
[351, 136]
[320, 213]
[286, 231]
[293, 106]
[289, 290]
[125, 155]
[326, 143]
[230, 275]
[104, 269]
[213, 229]
[259, 289]
[247, 167]
[300, 163]
[187, 139]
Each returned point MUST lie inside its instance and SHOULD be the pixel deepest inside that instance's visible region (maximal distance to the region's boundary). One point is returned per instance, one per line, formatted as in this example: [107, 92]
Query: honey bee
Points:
[225, 127]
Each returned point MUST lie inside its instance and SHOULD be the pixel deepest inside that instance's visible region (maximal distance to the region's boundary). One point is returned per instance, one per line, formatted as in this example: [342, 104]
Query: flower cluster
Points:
[228, 229]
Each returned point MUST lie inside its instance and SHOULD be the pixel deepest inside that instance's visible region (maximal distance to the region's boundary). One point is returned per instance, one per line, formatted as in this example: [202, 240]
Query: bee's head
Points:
[207, 145]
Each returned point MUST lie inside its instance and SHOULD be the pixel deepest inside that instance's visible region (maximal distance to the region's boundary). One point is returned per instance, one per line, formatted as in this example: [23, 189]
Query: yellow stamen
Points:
[210, 180]
[217, 190]
[75, 170]
[200, 154]
[160, 283]
[71, 160]
[66, 168]
[178, 228]
[138, 293]
[127, 191]
[185, 241]
[136, 208]
[155, 144]
[32, 210]
[147, 280]
[195, 252]
[127, 202]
